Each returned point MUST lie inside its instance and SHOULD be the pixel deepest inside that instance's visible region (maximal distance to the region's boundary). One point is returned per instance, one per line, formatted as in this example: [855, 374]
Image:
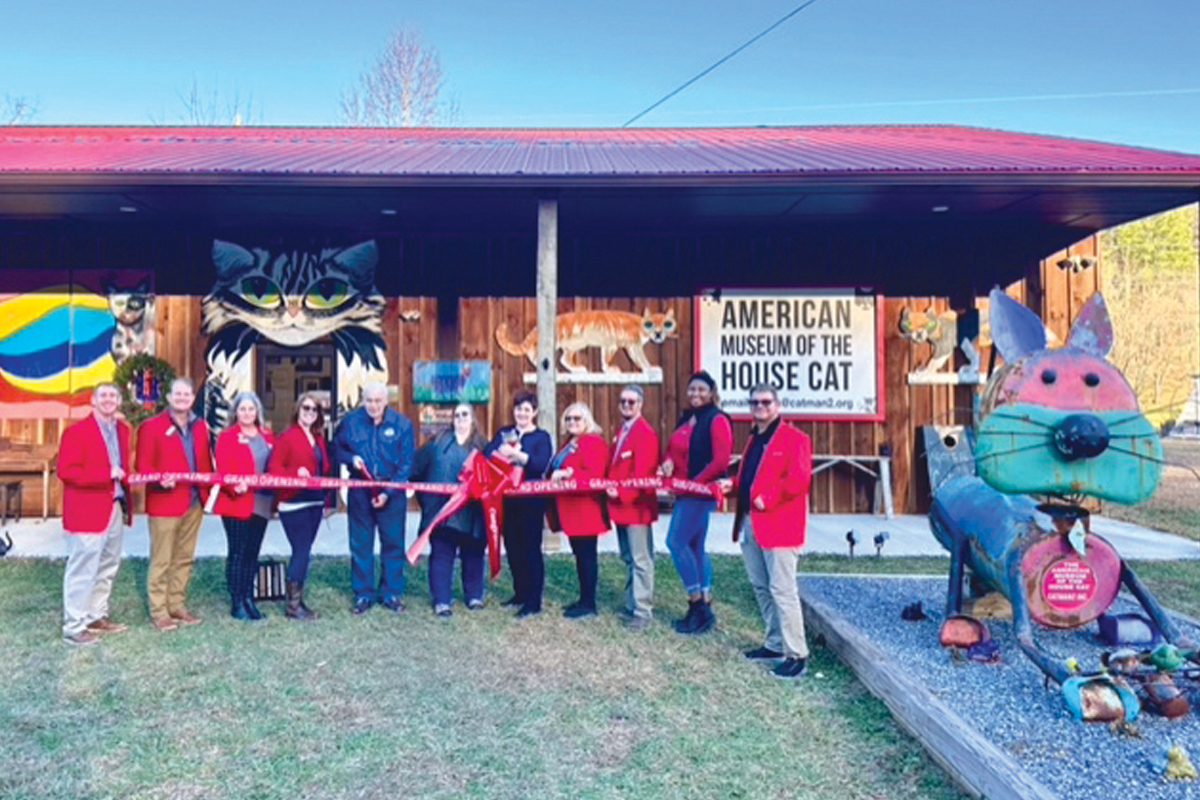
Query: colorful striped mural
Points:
[60, 339]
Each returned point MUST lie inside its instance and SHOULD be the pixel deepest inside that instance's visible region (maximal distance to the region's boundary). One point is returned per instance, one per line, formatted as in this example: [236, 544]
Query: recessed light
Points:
[388, 212]
[128, 210]
[940, 209]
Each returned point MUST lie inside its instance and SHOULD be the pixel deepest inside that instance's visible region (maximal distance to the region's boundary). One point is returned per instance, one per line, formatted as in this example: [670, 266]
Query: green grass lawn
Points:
[412, 706]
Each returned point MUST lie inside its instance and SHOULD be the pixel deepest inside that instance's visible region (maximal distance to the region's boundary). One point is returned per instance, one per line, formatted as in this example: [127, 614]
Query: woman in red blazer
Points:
[243, 449]
[582, 517]
[301, 453]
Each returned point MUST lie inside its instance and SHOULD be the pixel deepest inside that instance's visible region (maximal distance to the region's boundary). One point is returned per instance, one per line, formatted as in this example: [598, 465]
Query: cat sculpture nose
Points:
[1081, 436]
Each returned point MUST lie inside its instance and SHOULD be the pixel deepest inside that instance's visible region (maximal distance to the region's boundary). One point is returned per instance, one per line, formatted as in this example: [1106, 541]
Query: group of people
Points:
[376, 443]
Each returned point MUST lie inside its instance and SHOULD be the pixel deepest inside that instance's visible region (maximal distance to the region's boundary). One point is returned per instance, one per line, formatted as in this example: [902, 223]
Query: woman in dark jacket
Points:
[301, 452]
[699, 450]
[440, 461]
[529, 447]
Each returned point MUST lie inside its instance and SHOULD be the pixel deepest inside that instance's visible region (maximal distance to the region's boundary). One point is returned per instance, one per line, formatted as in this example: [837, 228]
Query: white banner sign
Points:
[820, 347]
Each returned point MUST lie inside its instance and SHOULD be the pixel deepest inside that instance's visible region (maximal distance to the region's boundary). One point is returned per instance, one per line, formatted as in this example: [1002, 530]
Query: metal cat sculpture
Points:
[1061, 424]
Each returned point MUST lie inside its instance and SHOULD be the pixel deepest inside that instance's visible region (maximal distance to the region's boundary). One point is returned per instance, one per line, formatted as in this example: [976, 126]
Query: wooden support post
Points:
[547, 315]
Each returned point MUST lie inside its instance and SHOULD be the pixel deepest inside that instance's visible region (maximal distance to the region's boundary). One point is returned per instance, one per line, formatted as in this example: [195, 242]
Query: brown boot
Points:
[295, 603]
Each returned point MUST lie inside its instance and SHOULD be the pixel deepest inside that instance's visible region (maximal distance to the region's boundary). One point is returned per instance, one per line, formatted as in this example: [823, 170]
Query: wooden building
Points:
[221, 238]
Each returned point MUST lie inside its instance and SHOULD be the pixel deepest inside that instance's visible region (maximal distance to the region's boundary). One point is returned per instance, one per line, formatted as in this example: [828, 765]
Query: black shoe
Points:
[361, 606]
[705, 620]
[393, 604]
[578, 611]
[791, 669]
[763, 654]
[688, 623]
[528, 611]
[252, 610]
[238, 611]
[514, 601]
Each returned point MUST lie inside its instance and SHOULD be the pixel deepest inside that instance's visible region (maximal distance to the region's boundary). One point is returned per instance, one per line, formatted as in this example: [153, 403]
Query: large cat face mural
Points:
[292, 298]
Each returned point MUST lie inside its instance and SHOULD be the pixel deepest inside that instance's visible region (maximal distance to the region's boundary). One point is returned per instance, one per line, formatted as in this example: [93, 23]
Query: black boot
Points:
[688, 623]
[234, 575]
[706, 620]
[249, 570]
[295, 603]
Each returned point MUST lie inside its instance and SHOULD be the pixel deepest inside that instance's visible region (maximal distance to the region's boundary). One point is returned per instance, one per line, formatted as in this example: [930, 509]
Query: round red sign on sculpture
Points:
[1065, 589]
[1069, 584]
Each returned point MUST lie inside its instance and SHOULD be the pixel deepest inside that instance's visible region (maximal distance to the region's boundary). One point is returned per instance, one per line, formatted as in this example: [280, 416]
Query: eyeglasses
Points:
[628, 401]
[573, 418]
[307, 407]
[462, 413]
[765, 402]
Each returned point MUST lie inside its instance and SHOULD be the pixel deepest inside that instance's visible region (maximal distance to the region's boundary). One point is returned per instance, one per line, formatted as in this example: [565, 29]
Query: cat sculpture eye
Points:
[327, 293]
[261, 292]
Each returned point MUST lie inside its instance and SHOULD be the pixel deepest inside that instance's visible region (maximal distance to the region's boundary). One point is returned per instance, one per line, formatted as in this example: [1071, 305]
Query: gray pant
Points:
[92, 563]
[772, 573]
[637, 551]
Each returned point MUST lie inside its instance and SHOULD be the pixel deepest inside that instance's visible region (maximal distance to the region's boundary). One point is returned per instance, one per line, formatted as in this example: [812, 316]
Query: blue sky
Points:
[1122, 72]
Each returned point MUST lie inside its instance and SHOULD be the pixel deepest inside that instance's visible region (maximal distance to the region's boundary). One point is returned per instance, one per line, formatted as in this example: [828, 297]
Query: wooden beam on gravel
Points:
[979, 767]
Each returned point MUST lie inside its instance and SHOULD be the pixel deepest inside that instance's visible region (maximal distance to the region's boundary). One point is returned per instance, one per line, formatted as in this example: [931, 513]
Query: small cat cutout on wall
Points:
[133, 311]
[609, 332]
[292, 298]
[943, 333]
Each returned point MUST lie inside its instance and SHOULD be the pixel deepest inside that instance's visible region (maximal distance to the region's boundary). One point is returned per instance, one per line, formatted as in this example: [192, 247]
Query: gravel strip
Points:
[1008, 702]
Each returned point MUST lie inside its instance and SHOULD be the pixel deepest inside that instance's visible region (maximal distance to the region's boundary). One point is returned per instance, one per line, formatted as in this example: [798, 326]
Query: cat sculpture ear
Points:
[229, 257]
[107, 286]
[1016, 331]
[360, 261]
[1092, 331]
[670, 315]
[646, 313]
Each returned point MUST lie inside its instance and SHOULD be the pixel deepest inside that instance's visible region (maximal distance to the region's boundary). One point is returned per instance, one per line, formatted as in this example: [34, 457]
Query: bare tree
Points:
[401, 89]
[16, 110]
[212, 107]
[1150, 283]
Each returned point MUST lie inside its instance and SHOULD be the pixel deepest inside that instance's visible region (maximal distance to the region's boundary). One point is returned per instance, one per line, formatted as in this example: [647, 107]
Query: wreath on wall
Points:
[153, 375]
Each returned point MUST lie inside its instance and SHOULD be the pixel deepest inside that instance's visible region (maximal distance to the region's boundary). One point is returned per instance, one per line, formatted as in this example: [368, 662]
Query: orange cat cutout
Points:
[610, 331]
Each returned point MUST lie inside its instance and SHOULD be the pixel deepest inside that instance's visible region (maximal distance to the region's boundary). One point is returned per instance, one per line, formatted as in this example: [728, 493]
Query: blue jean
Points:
[363, 520]
[685, 540]
[301, 528]
[444, 545]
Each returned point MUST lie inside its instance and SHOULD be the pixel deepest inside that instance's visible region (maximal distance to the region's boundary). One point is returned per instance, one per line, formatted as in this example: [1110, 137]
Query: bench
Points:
[19, 460]
[880, 469]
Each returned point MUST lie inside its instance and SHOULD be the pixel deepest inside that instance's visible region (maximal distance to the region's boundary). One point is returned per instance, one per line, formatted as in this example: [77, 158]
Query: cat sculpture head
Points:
[128, 306]
[293, 297]
[1063, 422]
[919, 326]
[657, 328]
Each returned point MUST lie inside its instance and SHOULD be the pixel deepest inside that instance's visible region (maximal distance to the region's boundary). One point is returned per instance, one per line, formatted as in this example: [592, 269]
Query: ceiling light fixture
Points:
[388, 212]
[940, 209]
[128, 210]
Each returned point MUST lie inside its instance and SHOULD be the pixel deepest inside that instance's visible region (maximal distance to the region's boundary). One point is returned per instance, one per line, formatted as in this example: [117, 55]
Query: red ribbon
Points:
[486, 480]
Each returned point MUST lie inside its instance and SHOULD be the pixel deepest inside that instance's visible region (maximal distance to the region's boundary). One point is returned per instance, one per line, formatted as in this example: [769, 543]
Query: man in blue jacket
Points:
[376, 442]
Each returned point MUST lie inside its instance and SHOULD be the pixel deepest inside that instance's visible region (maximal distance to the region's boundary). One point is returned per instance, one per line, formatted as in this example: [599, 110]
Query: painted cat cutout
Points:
[610, 331]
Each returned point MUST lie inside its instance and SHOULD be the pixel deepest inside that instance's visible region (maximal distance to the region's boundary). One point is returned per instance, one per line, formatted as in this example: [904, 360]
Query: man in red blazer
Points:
[92, 458]
[772, 504]
[173, 441]
[635, 454]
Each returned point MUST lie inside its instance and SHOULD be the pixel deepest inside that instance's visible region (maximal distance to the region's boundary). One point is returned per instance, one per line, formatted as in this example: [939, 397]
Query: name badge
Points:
[389, 431]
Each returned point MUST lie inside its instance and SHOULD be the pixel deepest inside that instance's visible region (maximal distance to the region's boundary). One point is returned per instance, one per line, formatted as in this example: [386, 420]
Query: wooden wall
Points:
[412, 331]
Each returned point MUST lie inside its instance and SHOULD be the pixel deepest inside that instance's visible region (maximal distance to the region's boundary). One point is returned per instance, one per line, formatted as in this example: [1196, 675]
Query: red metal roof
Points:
[448, 153]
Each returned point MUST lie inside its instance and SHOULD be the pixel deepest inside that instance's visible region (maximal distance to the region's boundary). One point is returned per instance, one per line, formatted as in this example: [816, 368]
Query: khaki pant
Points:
[636, 543]
[92, 563]
[772, 574]
[172, 551]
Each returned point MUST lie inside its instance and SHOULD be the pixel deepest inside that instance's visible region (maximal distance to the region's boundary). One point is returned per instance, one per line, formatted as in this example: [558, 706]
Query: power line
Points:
[952, 101]
[721, 61]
